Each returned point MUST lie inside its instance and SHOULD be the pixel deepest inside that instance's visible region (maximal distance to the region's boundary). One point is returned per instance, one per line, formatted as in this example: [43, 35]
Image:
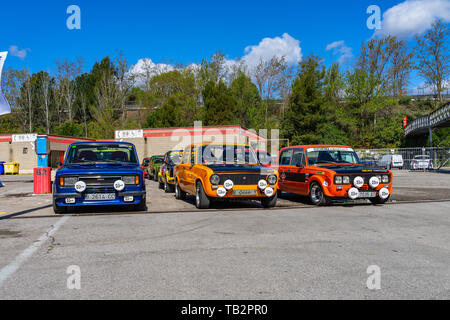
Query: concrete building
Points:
[21, 148]
[151, 142]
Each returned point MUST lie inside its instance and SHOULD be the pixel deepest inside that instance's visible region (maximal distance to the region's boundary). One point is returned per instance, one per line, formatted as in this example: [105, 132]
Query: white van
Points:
[390, 161]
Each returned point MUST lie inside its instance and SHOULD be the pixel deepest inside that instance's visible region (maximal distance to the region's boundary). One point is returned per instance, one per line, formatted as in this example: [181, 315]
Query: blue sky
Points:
[187, 31]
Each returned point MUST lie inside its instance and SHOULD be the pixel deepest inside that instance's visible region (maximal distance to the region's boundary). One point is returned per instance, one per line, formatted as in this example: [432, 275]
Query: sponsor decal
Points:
[329, 149]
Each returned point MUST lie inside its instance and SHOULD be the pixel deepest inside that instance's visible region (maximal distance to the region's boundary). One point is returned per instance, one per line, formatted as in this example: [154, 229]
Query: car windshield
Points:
[158, 160]
[264, 157]
[145, 162]
[101, 153]
[226, 154]
[325, 155]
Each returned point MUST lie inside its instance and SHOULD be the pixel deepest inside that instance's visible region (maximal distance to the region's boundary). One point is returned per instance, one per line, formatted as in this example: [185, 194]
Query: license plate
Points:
[100, 196]
[244, 192]
[368, 194]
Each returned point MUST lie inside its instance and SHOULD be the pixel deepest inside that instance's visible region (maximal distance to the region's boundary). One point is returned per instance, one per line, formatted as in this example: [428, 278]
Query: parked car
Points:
[97, 173]
[369, 161]
[224, 171]
[421, 162]
[153, 166]
[390, 161]
[166, 176]
[331, 172]
[144, 166]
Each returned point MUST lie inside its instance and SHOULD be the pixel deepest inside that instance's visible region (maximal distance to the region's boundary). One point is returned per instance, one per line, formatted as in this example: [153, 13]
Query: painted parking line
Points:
[11, 268]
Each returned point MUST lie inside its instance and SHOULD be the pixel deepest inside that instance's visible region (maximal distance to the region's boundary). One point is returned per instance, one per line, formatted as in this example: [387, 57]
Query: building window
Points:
[25, 150]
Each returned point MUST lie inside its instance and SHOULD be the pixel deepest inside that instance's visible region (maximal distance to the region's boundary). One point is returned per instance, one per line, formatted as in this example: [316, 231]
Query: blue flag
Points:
[4, 105]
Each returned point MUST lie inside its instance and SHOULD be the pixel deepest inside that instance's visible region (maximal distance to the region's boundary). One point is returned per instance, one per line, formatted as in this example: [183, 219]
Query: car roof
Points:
[316, 146]
[101, 143]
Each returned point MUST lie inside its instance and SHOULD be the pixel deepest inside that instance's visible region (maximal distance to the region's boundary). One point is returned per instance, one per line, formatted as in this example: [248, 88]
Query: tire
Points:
[168, 188]
[160, 184]
[142, 206]
[201, 199]
[378, 200]
[155, 176]
[269, 202]
[316, 195]
[57, 209]
[179, 194]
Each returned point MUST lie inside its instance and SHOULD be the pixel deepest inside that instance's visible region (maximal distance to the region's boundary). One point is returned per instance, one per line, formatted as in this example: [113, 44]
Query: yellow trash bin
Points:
[11, 167]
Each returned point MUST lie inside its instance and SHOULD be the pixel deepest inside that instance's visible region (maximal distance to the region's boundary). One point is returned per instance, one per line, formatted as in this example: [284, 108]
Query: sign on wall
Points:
[129, 134]
[27, 137]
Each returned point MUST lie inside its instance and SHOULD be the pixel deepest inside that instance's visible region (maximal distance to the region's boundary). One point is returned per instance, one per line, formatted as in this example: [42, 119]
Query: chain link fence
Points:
[406, 158]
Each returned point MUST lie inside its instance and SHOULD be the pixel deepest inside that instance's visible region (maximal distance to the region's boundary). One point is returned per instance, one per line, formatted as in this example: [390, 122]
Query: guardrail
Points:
[440, 157]
[438, 118]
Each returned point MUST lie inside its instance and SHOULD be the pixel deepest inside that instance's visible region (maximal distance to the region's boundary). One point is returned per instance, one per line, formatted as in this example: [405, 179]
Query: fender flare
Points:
[319, 179]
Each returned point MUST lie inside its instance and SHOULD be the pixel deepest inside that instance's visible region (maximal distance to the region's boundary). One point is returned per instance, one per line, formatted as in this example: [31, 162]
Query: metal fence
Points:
[440, 157]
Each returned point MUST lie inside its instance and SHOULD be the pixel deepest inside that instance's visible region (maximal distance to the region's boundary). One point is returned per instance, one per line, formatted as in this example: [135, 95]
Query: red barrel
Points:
[42, 180]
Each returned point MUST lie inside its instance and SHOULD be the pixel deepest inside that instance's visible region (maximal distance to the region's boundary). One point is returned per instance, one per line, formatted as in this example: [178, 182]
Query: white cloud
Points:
[339, 48]
[413, 17]
[14, 51]
[285, 46]
[145, 68]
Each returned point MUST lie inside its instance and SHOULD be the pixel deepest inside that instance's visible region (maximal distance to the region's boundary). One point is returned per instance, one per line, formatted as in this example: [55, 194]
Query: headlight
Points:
[70, 181]
[385, 179]
[272, 179]
[346, 180]
[214, 179]
[130, 179]
[338, 180]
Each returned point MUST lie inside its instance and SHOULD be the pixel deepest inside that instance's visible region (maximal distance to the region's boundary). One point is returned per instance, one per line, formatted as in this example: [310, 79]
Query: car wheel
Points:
[269, 202]
[155, 177]
[57, 209]
[378, 200]
[316, 195]
[160, 184]
[179, 194]
[201, 199]
[168, 188]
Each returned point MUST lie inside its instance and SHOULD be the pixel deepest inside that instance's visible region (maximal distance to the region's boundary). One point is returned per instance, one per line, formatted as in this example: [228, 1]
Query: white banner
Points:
[27, 137]
[4, 106]
[129, 134]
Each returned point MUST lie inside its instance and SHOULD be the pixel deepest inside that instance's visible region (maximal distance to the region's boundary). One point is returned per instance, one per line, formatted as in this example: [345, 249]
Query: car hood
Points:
[97, 168]
[345, 168]
[233, 168]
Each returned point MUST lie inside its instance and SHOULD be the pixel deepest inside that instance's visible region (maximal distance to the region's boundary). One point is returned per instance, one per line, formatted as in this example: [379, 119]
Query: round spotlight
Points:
[228, 184]
[374, 182]
[221, 192]
[119, 185]
[383, 193]
[80, 186]
[268, 192]
[262, 184]
[358, 182]
[353, 193]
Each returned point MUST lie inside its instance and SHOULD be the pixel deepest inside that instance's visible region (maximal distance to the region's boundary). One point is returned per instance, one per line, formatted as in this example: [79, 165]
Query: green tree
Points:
[220, 107]
[304, 118]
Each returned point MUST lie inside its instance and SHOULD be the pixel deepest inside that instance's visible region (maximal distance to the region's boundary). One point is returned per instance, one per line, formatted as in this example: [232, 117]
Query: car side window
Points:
[285, 157]
[298, 157]
[186, 155]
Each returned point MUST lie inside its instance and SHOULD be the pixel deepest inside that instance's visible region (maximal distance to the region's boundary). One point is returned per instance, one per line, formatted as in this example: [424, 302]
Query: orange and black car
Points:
[331, 172]
[226, 171]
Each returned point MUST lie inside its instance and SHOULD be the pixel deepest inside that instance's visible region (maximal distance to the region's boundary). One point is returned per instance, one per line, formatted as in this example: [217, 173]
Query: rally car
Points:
[153, 167]
[224, 171]
[144, 166]
[166, 177]
[99, 173]
[331, 172]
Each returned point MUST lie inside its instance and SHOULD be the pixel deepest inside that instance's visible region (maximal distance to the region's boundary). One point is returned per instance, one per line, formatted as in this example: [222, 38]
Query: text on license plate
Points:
[244, 192]
[100, 196]
[367, 194]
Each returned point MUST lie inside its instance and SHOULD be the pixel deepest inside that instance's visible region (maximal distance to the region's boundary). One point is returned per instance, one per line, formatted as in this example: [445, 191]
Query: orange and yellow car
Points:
[331, 172]
[226, 171]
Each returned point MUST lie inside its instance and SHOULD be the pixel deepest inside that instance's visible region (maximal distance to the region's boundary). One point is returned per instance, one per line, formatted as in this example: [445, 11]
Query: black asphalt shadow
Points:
[25, 212]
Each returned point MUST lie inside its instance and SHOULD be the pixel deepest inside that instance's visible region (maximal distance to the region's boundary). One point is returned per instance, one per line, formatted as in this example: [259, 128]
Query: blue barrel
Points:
[2, 168]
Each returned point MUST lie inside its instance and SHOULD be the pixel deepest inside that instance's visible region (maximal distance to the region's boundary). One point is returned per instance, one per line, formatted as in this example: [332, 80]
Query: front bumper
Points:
[80, 200]
[334, 192]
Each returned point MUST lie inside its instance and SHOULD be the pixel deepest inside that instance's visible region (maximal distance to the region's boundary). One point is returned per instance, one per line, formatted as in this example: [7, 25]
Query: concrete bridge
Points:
[439, 118]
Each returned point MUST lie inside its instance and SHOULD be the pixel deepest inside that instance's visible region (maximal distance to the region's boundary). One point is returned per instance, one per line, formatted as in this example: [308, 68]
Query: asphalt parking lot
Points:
[294, 251]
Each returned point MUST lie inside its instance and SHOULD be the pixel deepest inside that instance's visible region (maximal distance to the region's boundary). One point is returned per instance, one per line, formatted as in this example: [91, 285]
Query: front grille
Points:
[242, 179]
[99, 181]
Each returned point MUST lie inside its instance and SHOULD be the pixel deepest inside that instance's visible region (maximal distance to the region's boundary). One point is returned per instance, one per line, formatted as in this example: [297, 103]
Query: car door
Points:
[182, 168]
[284, 166]
[189, 171]
[297, 175]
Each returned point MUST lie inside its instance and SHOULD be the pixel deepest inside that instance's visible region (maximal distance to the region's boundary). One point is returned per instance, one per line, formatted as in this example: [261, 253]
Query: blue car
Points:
[99, 173]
